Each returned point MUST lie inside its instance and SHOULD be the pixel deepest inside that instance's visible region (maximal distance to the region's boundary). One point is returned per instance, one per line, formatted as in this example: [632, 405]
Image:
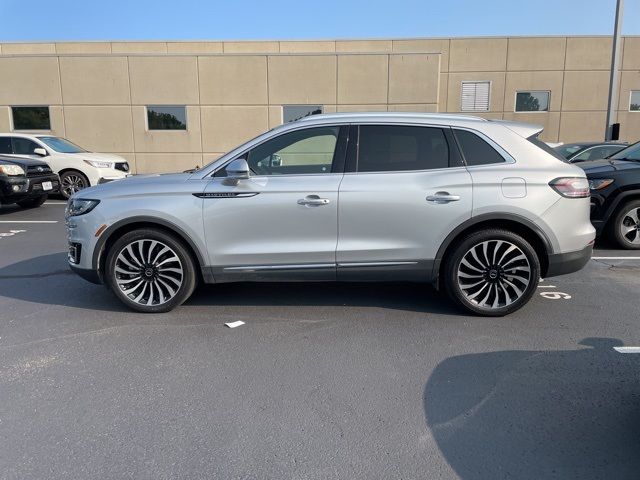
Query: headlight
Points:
[11, 169]
[97, 164]
[79, 206]
[600, 183]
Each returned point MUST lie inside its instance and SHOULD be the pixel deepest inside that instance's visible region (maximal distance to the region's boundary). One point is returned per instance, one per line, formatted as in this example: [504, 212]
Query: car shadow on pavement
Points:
[538, 414]
[47, 279]
[415, 297]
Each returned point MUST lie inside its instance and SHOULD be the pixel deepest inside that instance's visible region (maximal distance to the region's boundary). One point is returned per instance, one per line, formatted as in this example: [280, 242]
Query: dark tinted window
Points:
[166, 118]
[597, 153]
[23, 146]
[477, 151]
[532, 101]
[632, 152]
[392, 148]
[5, 144]
[31, 118]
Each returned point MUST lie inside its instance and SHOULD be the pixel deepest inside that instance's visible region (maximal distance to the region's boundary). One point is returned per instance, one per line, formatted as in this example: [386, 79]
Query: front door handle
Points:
[313, 201]
[442, 197]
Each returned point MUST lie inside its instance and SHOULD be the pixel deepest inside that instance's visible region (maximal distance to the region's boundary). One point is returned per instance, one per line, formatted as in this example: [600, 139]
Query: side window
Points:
[5, 145]
[587, 154]
[393, 148]
[477, 151]
[23, 146]
[295, 153]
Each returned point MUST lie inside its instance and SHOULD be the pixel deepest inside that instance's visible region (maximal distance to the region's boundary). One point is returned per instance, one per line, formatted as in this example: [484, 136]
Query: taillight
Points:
[571, 187]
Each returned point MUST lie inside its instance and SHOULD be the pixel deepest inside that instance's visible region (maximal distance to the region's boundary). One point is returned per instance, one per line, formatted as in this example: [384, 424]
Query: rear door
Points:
[404, 191]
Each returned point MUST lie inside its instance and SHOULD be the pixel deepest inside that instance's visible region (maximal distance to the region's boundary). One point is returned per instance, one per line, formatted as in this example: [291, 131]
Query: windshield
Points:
[632, 152]
[567, 150]
[61, 145]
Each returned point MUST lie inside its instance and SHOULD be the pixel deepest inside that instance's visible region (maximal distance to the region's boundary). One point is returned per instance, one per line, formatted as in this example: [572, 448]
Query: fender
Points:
[435, 273]
[617, 201]
[97, 251]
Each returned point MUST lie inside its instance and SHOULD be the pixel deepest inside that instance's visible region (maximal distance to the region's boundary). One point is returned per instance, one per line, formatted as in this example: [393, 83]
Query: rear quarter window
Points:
[476, 150]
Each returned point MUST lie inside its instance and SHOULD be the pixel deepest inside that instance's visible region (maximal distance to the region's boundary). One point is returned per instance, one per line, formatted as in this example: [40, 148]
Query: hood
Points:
[137, 184]
[602, 166]
[23, 162]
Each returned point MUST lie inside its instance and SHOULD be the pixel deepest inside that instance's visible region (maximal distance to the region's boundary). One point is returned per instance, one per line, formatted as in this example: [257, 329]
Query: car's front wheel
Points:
[626, 226]
[71, 182]
[33, 202]
[492, 272]
[150, 271]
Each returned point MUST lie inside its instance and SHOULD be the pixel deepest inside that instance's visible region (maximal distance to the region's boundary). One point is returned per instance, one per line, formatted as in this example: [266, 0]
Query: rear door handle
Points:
[313, 201]
[442, 197]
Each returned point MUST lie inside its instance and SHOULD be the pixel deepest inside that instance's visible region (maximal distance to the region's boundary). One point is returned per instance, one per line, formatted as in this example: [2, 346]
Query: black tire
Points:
[626, 217]
[460, 277]
[33, 202]
[151, 241]
[72, 181]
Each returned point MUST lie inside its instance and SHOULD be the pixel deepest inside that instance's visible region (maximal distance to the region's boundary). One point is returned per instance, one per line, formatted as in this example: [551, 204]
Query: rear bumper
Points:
[563, 263]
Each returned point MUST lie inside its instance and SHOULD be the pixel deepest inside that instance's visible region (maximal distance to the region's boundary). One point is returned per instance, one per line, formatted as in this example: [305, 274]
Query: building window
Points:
[536, 101]
[31, 118]
[475, 96]
[163, 117]
[634, 101]
[291, 113]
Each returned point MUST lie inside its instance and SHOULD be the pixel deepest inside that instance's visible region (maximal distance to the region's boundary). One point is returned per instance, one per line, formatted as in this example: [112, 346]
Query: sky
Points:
[63, 20]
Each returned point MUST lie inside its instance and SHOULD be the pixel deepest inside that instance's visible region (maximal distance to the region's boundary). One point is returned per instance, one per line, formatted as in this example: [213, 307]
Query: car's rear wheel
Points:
[71, 182]
[625, 226]
[33, 202]
[150, 271]
[492, 272]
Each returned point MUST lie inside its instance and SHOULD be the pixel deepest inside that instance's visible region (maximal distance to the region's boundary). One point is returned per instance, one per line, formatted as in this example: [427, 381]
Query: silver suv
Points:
[480, 208]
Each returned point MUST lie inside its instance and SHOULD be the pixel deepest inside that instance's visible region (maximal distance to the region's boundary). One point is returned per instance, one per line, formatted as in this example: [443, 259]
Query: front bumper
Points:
[88, 274]
[563, 263]
[15, 189]
[111, 178]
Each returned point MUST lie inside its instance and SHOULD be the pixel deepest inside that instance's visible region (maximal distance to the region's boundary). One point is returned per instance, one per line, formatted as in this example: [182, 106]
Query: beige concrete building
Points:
[167, 106]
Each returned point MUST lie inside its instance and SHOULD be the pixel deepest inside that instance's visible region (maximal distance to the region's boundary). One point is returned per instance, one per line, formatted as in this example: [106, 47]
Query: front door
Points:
[407, 190]
[282, 222]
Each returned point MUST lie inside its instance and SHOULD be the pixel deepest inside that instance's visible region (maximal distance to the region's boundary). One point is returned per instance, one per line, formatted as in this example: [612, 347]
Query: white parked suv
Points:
[76, 167]
[480, 208]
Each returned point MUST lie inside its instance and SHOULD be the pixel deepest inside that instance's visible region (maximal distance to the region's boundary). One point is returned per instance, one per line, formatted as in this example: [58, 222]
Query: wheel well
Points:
[621, 203]
[65, 170]
[120, 231]
[514, 226]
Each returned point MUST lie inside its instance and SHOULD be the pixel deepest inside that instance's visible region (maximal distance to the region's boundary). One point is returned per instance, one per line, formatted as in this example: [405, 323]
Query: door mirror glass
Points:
[40, 151]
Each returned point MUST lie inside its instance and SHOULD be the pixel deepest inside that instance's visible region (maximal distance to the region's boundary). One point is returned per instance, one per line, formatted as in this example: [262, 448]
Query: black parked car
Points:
[615, 195]
[581, 152]
[26, 182]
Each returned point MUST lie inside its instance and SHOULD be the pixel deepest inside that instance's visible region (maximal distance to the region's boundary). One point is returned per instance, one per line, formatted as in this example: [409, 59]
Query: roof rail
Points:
[342, 116]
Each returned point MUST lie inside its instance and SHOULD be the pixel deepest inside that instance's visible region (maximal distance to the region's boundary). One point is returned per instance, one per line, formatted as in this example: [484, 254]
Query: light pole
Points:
[613, 78]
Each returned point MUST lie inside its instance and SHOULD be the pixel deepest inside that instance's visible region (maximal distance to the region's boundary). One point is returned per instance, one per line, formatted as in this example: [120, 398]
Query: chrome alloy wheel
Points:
[494, 274]
[148, 272]
[72, 183]
[630, 226]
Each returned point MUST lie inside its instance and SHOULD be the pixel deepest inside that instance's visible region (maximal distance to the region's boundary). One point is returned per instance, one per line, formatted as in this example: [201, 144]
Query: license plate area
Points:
[47, 186]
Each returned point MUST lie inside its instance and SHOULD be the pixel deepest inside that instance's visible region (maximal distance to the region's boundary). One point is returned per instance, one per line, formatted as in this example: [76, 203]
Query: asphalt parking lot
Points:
[322, 381]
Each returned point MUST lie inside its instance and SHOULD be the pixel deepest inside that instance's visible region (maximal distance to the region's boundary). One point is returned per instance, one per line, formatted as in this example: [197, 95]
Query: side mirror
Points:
[40, 151]
[238, 170]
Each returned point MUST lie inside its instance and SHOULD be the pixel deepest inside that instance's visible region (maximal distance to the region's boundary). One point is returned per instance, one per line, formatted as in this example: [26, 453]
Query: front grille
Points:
[122, 166]
[37, 171]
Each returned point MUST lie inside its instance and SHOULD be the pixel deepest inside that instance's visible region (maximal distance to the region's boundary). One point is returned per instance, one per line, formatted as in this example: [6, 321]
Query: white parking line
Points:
[28, 221]
[627, 349]
[615, 258]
